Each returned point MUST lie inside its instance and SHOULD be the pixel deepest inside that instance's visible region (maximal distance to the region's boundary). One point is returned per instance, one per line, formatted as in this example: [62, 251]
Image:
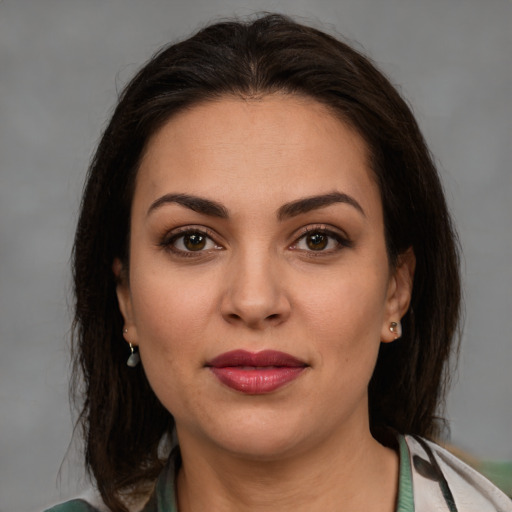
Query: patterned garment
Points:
[431, 480]
[441, 482]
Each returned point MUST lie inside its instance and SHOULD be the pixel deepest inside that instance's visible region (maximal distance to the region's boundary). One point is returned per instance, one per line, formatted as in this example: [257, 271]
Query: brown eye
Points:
[321, 241]
[190, 242]
[194, 242]
[317, 241]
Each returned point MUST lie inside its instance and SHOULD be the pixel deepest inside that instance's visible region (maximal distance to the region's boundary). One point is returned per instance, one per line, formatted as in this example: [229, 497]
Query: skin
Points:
[256, 284]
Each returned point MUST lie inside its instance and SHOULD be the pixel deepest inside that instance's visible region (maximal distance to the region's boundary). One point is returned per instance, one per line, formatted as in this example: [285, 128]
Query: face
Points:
[259, 288]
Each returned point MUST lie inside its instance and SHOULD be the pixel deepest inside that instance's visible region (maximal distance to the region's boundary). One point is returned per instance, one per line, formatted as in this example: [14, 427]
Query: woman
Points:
[267, 287]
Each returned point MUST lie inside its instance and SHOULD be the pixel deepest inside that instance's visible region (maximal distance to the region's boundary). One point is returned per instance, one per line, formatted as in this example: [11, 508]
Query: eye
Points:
[191, 242]
[320, 240]
[186, 242]
[317, 241]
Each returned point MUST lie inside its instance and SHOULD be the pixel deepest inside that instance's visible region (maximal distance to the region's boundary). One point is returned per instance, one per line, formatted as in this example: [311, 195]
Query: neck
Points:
[354, 473]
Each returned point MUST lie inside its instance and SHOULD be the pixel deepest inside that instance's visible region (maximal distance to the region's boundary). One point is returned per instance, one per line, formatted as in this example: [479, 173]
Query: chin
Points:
[264, 447]
[264, 437]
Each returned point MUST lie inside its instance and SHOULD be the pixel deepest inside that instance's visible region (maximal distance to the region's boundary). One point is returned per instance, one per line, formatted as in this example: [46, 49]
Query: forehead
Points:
[278, 146]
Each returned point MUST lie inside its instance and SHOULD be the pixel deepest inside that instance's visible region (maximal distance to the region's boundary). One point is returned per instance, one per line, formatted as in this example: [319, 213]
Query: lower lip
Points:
[256, 381]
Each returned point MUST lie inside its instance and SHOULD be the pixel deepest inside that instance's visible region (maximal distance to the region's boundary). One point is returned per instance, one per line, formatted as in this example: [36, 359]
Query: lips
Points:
[256, 372]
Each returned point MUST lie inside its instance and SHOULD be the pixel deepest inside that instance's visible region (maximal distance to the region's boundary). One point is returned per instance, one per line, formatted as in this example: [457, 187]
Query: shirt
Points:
[431, 479]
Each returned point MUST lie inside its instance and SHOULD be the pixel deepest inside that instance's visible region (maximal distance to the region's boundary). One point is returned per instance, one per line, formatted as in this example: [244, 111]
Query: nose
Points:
[254, 294]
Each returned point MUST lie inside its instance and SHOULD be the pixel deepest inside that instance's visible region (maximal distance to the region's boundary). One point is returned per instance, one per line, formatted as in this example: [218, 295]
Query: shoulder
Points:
[90, 501]
[77, 505]
[441, 481]
[87, 501]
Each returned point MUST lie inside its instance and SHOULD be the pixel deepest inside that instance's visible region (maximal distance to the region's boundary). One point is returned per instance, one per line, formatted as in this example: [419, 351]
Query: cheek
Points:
[171, 313]
[353, 306]
[170, 319]
[343, 319]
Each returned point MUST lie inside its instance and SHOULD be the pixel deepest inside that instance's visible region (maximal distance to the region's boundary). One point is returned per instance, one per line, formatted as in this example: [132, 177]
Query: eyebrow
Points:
[195, 203]
[308, 204]
[288, 210]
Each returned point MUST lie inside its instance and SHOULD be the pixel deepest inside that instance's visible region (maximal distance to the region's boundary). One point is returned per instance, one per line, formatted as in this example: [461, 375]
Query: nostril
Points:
[255, 309]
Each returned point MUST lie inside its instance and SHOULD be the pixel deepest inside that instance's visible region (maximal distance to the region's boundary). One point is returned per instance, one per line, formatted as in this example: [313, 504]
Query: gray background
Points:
[61, 64]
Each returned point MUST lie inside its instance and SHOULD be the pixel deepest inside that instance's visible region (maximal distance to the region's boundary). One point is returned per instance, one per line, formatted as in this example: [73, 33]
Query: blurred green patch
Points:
[499, 473]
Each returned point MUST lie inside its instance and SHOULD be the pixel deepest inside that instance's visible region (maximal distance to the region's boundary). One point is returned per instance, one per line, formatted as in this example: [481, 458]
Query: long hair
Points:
[123, 422]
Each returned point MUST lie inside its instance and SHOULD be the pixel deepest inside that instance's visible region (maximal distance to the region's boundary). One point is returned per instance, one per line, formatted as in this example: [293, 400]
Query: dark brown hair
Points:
[123, 421]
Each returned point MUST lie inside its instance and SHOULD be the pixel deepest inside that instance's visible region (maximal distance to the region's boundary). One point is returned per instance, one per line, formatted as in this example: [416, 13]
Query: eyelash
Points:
[169, 241]
[341, 241]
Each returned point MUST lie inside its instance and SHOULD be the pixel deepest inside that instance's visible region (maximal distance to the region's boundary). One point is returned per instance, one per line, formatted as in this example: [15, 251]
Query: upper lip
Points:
[255, 359]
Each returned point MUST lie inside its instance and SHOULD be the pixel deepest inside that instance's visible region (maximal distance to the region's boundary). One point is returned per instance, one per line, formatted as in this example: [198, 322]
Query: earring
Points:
[125, 330]
[396, 329]
[134, 358]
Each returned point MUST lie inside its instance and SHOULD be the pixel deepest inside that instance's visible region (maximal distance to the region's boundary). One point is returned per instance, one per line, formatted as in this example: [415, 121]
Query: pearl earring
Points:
[396, 329]
[134, 358]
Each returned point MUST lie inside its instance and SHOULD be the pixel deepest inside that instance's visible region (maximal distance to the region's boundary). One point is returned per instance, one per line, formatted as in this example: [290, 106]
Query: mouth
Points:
[256, 373]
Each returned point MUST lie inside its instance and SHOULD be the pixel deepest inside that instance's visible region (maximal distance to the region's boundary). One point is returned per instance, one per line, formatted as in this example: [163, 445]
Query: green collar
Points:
[405, 502]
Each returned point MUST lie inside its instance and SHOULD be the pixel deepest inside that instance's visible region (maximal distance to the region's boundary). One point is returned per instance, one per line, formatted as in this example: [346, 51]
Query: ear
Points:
[399, 295]
[124, 300]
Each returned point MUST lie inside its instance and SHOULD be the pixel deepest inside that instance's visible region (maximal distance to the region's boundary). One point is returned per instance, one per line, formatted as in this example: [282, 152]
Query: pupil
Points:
[317, 241]
[194, 242]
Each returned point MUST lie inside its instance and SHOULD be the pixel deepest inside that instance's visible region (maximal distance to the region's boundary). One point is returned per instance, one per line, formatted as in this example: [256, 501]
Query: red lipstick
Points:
[256, 373]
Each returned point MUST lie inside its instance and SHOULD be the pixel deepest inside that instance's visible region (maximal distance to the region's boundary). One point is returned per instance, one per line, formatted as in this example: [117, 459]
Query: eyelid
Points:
[339, 235]
[170, 237]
